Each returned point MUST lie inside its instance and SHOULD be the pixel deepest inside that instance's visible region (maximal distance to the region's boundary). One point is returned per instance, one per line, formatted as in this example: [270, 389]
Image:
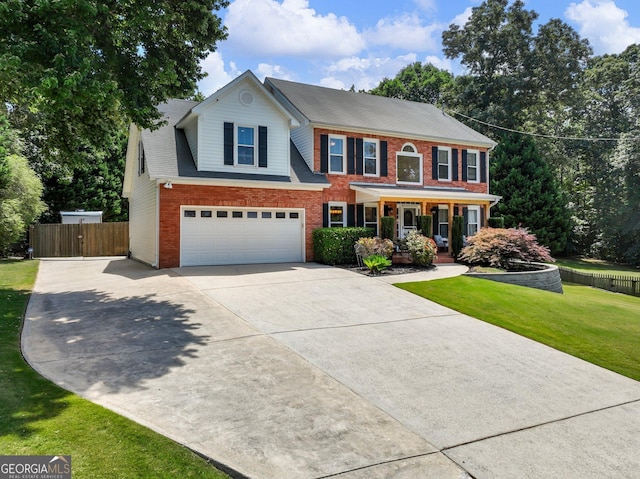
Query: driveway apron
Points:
[307, 371]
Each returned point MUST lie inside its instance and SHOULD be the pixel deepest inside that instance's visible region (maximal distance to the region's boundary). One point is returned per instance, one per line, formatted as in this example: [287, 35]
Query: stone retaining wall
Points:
[547, 277]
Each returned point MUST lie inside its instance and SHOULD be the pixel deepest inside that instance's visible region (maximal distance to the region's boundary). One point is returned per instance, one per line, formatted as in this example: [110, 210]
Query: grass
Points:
[39, 418]
[597, 266]
[597, 326]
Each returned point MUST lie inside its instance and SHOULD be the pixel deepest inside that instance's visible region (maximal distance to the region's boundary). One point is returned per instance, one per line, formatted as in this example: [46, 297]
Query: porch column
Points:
[450, 220]
[487, 214]
[380, 215]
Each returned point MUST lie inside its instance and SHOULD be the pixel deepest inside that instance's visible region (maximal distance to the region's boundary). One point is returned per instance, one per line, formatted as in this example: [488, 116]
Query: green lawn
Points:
[597, 326]
[597, 266]
[39, 418]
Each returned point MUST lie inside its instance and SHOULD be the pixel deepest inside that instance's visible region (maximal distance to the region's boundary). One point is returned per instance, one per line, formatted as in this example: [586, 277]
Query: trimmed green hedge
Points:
[387, 227]
[457, 231]
[495, 222]
[424, 225]
[335, 245]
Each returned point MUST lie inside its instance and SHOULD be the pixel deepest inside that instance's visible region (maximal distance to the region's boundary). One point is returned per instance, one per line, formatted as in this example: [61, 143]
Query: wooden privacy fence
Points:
[87, 239]
[619, 284]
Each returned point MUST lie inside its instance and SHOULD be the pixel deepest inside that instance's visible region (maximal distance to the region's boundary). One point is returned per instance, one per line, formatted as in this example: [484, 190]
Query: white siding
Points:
[143, 228]
[191, 132]
[261, 112]
[302, 137]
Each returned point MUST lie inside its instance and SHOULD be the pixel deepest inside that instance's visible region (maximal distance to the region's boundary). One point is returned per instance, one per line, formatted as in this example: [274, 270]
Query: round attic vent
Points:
[246, 97]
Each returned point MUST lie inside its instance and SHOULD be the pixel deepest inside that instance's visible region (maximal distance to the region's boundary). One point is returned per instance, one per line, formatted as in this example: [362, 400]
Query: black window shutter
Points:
[482, 217]
[483, 167]
[359, 156]
[384, 170]
[464, 165]
[351, 161]
[434, 162]
[262, 146]
[360, 214]
[465, 214]
[436, 227]
[454, 163]
[228, 143]
[351, 215]
[324, 153]
[325, 215]
[456, 211]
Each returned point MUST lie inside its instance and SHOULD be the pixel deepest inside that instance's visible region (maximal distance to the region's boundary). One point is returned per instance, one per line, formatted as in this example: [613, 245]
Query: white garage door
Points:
[213, 236]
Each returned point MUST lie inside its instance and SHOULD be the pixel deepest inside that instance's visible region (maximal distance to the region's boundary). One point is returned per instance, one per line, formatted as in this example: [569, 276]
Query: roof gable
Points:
[363, 111]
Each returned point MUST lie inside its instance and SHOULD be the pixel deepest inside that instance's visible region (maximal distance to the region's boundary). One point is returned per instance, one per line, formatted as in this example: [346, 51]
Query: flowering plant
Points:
[421, 248]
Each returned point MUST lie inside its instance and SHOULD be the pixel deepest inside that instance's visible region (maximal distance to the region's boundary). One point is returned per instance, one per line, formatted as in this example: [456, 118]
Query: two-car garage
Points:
[228, 235]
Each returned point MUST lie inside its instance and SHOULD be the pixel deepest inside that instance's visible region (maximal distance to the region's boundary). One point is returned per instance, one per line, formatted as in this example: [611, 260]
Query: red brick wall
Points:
[172, 199]
[340, 191]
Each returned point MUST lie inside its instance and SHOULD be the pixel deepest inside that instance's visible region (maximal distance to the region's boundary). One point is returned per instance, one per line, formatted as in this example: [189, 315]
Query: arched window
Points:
[409, 165]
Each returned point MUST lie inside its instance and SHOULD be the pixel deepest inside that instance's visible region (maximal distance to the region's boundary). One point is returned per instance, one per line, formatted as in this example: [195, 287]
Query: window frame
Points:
[239, 145]
[371, 224]
[443, 223]
[478, 222]
[410, 154]
[343, 139]
[365, 157]
[449, 163]
[476, 167]
[336, 224]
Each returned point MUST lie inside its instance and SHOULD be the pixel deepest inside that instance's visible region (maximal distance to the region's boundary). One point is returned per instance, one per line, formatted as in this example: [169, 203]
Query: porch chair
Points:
[440, 242]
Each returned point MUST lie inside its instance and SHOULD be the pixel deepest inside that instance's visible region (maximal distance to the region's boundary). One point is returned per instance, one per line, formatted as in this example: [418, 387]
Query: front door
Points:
[407, 219]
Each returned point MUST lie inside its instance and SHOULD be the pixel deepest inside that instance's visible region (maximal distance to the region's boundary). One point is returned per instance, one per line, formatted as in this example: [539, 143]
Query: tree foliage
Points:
[76, 67]
[417, 82]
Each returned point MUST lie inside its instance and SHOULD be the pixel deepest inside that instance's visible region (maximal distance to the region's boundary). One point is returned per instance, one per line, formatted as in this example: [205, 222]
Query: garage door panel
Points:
[267, 237]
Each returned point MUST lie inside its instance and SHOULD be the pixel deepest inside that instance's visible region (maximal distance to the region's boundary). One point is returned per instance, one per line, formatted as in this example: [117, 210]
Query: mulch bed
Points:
[390, 271]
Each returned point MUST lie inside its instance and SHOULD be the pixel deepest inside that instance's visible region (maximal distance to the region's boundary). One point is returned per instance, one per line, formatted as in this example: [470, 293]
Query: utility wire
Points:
[540, 135]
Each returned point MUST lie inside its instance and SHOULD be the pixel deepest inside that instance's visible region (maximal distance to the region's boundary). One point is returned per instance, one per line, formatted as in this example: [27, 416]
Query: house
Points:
[246, 175]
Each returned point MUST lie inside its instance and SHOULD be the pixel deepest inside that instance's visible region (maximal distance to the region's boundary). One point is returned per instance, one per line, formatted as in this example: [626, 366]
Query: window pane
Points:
[408, 169]
[252, 214]
[408, 148]
[472, 174]
[189, 213]
[370, 149]
[281, 215]
[236, 214]
[471, 159]
[205, 214]
[370, 166]
[221, 214]
[245, 155]
[443, 164]
[472, 216]
[336, 216]
[336, 163]
[443, 216]
[266, 214]
[294, 215]
[370, 214]
[335, 146]
[245, 136]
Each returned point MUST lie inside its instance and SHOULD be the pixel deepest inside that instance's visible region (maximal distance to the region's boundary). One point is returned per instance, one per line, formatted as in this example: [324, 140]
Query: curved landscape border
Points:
[541, 276]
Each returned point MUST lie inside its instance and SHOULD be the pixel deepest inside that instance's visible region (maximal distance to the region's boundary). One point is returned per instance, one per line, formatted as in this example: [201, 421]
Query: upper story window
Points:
[473, 157]
[246, 145]
[409, 165]
[444, 163]
[371, 157]
[336, 154]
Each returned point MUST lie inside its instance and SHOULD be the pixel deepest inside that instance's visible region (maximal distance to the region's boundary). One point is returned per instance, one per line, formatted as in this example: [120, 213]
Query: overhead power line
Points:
[540, 135]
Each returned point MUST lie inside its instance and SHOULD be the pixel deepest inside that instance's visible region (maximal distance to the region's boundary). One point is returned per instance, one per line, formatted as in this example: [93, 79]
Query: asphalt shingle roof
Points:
[340, 108]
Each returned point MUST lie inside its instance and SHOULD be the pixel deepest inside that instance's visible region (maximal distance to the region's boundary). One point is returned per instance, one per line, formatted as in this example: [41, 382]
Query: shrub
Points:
[495, 222]
[425, 225]
[457, 230]
[335, 245]
[421, 248]
[500, 247]
[387, 227]
[376, 246]
[376, 263]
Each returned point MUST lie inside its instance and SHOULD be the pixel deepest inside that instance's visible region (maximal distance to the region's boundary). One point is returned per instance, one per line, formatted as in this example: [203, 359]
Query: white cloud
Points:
[275, 71]
[426, 5]
[271, 28]
[604, 24]
[218, 76]
[462, 18]
[405, 32]
[364, 73]
[441, 63]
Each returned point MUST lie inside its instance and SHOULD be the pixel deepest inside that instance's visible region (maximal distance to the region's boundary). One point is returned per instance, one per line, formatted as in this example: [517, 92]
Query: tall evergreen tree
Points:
[530, 195]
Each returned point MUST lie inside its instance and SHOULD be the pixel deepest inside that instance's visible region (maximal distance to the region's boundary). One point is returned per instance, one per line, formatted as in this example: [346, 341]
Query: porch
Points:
[405, 204]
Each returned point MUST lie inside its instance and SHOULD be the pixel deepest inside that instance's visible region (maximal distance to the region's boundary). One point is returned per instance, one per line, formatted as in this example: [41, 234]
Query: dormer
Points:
[240, 129]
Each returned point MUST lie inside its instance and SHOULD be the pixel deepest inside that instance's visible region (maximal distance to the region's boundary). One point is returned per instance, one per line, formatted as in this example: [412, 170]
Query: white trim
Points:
[364, 157]
[338, 204]
[344, 155]
[368, 194]
[260, 184]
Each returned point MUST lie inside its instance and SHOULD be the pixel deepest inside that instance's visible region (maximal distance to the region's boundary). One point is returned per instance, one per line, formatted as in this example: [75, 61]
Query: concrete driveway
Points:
[305, 371]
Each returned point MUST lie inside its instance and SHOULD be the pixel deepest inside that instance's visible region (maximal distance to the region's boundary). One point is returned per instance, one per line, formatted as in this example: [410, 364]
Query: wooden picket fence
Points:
[616, 283]
[87, 239]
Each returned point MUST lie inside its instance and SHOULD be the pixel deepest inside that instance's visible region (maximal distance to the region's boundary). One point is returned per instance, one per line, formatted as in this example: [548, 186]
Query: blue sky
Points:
[339, 43]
